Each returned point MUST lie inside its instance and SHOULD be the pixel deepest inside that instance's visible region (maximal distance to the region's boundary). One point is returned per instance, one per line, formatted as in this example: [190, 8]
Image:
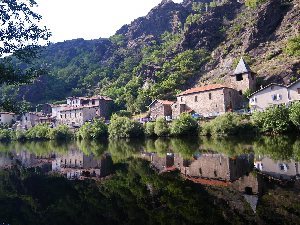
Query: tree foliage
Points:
[123, 127]
[184, 125]
[274, 120]
[161, 127]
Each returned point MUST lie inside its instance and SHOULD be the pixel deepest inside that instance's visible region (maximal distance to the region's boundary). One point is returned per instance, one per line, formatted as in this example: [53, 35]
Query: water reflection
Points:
[215, 159]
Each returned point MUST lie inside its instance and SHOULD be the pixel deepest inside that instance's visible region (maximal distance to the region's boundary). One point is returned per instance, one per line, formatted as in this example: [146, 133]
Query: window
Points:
[65, 115]
[93, 102]
[175, 106]
[272, 87]
[209, 96]
[215, 173]
[239, 77]
[229, 93]
[298, 89]
[60, 116]
[200, 171]
[276, 97]
[196, 98]
[181, 99]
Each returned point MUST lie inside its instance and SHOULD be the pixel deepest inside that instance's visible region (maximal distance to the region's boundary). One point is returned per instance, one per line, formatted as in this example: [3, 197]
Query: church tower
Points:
[243, 78]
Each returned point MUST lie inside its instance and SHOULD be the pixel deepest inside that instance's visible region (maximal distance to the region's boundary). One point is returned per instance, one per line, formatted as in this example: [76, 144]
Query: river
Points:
[151, 181]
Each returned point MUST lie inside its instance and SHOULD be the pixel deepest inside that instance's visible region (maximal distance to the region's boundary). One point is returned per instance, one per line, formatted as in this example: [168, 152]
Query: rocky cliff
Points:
[175, 46]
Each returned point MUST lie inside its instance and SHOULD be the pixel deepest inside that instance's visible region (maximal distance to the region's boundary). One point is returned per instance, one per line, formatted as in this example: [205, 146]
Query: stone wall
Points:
[160, 110]
[206, 103]
[248, 82]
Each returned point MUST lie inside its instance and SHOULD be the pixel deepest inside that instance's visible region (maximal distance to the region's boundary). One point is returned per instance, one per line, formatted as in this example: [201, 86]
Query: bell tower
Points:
[243, 78]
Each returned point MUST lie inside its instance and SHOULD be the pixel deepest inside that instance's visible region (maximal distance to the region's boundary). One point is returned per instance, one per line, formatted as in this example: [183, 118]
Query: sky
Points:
[90, 19]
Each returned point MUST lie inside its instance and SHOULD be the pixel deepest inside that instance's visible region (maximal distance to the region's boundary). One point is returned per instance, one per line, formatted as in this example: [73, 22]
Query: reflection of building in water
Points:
[75, 165]
[215, 166]
[279, 169]
[25, 159]
[160, 163]
[6, 161]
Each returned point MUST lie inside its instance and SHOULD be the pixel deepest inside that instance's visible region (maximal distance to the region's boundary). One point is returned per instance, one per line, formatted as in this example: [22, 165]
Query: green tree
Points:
[293, 46]
[274, 120]
[184, 125]
[62, 132]
[123, 127]
[149, 129]
[161, 127]
[294, 114]
[93, 130]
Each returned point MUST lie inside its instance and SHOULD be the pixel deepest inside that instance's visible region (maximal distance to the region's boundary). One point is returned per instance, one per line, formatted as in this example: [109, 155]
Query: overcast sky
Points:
[90, 19]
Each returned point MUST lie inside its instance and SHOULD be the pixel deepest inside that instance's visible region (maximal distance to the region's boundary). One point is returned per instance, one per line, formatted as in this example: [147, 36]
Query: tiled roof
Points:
[9, 113]
[164, 102]
[269, 85]
[203, 89]
[242, 67]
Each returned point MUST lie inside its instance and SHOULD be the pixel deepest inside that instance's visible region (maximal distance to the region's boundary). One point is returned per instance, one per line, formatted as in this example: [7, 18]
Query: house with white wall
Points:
[274, 94]
[7, 118]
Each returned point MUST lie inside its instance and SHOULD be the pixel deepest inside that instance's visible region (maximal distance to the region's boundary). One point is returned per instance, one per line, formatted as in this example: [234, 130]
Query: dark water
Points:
[160, 181]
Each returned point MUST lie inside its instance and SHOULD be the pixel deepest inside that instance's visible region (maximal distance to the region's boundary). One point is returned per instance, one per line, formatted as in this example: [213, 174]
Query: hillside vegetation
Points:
[174, 47]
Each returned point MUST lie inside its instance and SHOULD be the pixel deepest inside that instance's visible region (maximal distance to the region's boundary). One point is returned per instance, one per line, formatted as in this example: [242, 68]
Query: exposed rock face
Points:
[167, 16]
[207, 33]
[268, 20]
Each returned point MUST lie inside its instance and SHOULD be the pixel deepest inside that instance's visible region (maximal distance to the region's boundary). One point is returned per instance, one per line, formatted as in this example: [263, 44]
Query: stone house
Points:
[77, 116]
[274, 94]
[216, 166]
[160, 108]
[209, 100]
[31, 119]
[75, 164]
[78, 110]
[7, 118]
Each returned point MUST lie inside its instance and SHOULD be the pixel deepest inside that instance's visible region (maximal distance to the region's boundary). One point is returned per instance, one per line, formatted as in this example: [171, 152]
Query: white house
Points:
[274, 94]
[7, 118]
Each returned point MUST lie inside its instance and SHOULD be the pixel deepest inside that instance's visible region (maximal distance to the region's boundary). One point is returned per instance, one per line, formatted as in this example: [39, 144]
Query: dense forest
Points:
[174, 47]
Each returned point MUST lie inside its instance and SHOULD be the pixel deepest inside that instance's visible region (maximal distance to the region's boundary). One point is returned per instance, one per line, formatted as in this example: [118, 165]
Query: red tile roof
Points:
[203, 89]
[165, 102]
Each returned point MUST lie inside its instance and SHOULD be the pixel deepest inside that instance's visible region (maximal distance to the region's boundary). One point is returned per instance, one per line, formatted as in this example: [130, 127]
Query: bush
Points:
[123, 127]
[149, 129]
[20, 135]
[61, 132]
[95, 130]
[294, 114]
[227, 125]
[161, 127]
[274, 120]
[293, 46]
[184, 125]
[5, 135]
[40, 132]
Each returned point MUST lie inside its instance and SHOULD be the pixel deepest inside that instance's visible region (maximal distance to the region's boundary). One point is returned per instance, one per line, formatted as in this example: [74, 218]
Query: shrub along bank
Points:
[274, 120]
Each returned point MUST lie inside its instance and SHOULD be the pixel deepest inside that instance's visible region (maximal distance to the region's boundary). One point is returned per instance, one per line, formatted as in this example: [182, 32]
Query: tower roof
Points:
[242, 67]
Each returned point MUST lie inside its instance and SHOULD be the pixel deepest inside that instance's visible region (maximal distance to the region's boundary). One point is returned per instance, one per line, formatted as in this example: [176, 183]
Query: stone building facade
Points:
[209, 100]
[243, 78]
[79, 110]
[215, 166]
[75, 164]
[7, 118]
[160, 108]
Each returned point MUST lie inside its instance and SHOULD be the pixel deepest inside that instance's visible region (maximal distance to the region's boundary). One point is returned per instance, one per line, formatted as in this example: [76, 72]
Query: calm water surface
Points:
[151, 181]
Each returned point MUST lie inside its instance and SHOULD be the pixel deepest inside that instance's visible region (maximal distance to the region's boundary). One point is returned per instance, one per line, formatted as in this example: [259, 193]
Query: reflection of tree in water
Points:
[91, 147]
[42, 148]
[186, 147]
[231, 147]
[277, 147]
[122, 149]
